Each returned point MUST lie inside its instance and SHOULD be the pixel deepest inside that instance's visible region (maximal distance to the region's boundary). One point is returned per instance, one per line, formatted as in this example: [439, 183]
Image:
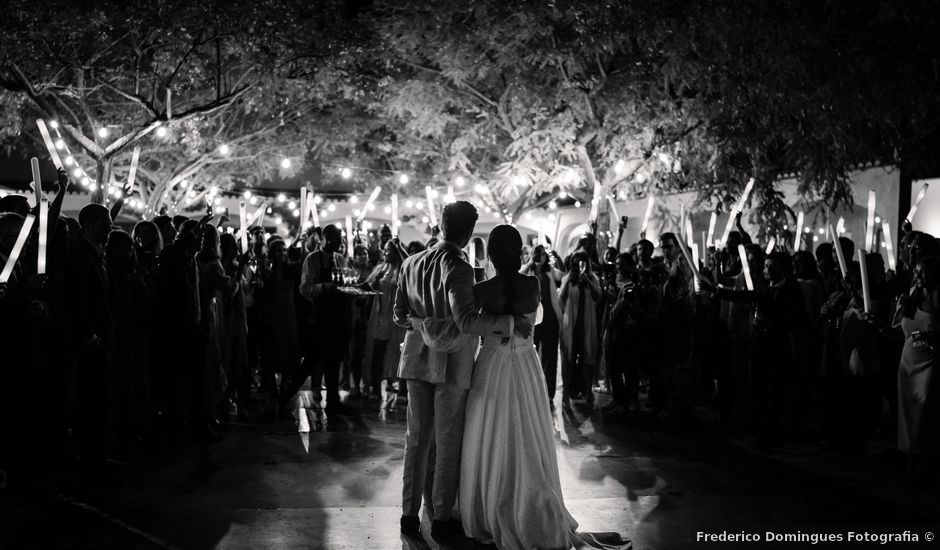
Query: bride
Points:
[510, 491]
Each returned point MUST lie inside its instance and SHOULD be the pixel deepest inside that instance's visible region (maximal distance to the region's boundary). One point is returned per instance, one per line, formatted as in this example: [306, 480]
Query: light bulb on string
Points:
[419, 205]
[217, 201]
[161, 132]
[253, 201]
[324, 213]
[317, 199]
[353, 199]
[528, 215]
[214, 190]
[247, 194]
[270, 210]
[103, 132]
[278, 220]
[346, 173]
[425, 219]
[480, 188]
[281, 197]
[403, 179]
[409, 204]
[563, 195]
[69, 160]
[53, 124]
[285, 163]
[86, 181]
[292, 205]
[356, 212]
[434, 194]
[577, 204]
[371, 207]
[387, 209]
[296, 212]
[553, 205]
[331, 207]
[77, 172]
[60, 143]
[460, 181]
[224, 149]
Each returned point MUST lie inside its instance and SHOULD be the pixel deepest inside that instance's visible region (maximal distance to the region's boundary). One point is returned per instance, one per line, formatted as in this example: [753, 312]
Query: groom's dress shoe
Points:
[411, 526]
[446, 529]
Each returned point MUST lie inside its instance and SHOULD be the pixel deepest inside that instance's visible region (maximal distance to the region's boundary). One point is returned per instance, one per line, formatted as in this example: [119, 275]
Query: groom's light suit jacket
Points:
[438, 284]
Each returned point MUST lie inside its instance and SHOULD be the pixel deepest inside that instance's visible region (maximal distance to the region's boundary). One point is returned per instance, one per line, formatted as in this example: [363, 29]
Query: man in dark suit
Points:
[92, 330]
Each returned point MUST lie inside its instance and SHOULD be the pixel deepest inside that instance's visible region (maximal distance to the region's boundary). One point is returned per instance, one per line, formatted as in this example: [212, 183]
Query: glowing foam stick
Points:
[557, 230]
[920, 197]
[43, 236]
[772, 244]
[738, 208]
[243, 221]
[840, 226]
[889, 245]
[169, 102]
[835, 243]
[541, 240]
[613, 208]
[689, 235]
[745, 268]
[395, 214]
[646, 217]
[132, 173]
[472, 256]
[711, 229]
[870, 224]
[350, 241]
[304, 212]
[372, 197]
[258, 216]
[866, 290]
[37, 179]
[695, 282]
[688, 258]
[314, 212]
[432, 213]
[798, 236]
[17, 248]
[47, 139]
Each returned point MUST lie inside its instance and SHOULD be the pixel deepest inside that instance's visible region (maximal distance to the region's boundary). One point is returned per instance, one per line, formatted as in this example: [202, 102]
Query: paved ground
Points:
[268, 486]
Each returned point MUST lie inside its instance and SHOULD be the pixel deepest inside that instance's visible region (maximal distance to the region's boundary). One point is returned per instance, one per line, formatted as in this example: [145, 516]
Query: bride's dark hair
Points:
[504, 248]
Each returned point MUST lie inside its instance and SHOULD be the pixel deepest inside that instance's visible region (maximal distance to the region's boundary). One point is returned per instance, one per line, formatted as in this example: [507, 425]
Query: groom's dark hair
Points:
[458, 220]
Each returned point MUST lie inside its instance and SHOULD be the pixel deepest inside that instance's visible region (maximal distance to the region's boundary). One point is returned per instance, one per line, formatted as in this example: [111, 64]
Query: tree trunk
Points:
[103, 169]
[602, 221]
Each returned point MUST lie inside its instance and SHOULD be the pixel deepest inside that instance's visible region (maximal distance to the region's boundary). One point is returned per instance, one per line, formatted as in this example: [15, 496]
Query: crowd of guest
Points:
[152, 335]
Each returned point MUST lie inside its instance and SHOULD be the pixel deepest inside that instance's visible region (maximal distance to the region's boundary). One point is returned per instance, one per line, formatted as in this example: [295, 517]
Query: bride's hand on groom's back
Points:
[523, 326]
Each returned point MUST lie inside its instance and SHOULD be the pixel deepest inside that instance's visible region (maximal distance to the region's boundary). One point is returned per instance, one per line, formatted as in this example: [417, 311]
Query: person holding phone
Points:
[543, 264]
[580, 293]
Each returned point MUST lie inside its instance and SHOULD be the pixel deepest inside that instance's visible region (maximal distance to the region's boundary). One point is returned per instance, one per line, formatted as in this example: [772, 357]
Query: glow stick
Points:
[892, 261]
[169, 102]
[473, 254]
[432, 213]
[695, 281]
[17, 248]
[243, 222]
[613, 208]
[132, 173]
[557, 229]
[349, 236]
[395, 214]
[745, 268]
[870, 225]
[43, 236]
[689, 235]
[704, 245]
[738, 208]
[920, 197]
[711, 228]
[304, 212]
[47, 139]
[838, 247]
[314, 211]
[372, 197]
[866, 290]
[593, 215]
[772, 244]
[798, 239]
[688, 258]
[681, 218]
[646, 217]
[542, 233]
[37, 179]
[840, 226]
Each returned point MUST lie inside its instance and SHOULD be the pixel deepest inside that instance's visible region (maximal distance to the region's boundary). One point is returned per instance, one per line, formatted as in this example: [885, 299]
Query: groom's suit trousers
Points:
[435, 417]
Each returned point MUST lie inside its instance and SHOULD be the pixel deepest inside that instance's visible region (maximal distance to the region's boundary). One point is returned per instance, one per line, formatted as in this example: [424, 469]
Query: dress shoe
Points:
[411, 526]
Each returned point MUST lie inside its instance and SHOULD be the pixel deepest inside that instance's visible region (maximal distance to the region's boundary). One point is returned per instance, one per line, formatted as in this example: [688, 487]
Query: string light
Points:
[53, 124]
[281, 197]
[285, 163]
[563, 195]
[353, 199]
[253, 201]
[324, 213]
[434, 193]
[60, 143]
[356, 212]
[519, 181]
[296, 212]
[419, 205]
[403, 179]
[161, 132]
[103, 132]
[877, 219]
[247, 194]
[528, 215]
[425, 219]
[409, 204]
[224, 149]
[331, 207]
[292, 205]
[77, 172]
[317, 199]
[460, 181]
[553, 205]
[577, 204]
[69, 160]
[620, 167]
[388, 209]
[278, 220]
[346, 173]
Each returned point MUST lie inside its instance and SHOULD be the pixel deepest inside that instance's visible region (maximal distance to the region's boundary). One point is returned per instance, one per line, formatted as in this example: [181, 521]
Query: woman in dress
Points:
[385, 337]
[542, 265]
[510, 490]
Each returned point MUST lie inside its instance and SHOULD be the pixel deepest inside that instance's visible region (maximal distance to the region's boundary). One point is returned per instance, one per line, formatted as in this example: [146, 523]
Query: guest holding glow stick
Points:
[580, 294]
[384, 336]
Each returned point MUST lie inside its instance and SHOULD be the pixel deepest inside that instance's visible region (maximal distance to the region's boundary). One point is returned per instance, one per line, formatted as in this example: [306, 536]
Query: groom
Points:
[435, 303]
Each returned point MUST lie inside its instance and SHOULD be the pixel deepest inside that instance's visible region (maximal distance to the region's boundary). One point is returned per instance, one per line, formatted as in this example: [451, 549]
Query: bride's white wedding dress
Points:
[510, 491]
